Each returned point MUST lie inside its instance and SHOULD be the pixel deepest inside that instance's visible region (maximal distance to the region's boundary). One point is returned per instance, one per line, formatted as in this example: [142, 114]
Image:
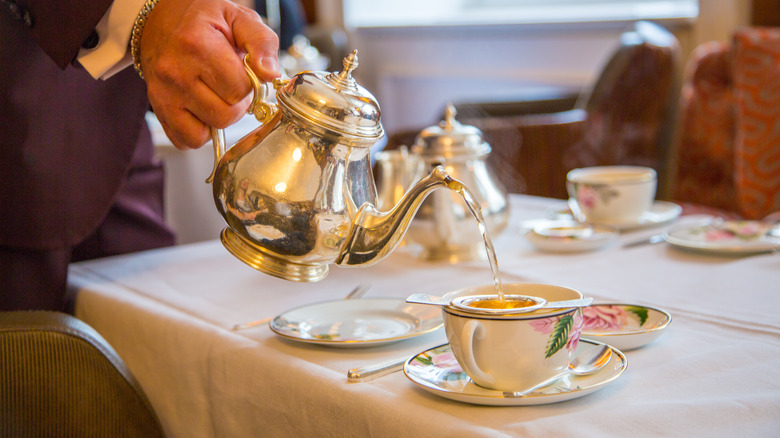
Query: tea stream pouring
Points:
[297, 192]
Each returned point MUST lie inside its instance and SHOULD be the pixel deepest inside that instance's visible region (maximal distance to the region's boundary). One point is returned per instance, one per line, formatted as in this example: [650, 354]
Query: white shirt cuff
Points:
[111, 54]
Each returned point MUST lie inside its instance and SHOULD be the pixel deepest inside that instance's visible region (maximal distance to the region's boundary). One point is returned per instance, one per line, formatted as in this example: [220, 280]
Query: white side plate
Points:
[366, 322]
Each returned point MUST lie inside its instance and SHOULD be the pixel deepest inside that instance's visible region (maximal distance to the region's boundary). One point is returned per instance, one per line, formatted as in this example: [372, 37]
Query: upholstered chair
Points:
[626, 116]
[726, 159]
[60, 378]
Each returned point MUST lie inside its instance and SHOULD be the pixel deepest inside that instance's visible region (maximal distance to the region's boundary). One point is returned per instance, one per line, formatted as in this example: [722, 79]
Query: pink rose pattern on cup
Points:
[564, 331]
[588, 195]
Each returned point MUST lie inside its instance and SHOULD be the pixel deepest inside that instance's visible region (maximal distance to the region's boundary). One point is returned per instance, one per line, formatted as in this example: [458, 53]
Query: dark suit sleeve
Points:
[60, 26]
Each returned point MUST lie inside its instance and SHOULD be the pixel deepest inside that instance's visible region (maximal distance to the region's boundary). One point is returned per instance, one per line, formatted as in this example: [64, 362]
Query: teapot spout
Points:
[375, 234]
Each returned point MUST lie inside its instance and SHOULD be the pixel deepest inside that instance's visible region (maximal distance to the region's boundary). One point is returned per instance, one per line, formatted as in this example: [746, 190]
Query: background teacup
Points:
[611, 195]
[512, 352]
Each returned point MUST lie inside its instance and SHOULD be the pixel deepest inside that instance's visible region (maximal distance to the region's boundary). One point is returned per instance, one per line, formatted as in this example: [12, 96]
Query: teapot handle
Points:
[263, 111]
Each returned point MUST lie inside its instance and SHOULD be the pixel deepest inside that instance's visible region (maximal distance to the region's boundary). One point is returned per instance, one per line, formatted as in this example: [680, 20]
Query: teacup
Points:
[611, 195]
[511, 351]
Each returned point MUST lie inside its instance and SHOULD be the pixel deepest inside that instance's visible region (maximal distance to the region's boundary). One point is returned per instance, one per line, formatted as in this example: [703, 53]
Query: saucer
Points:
[726, 237]
[660, 212]
[437, 371]
[366, 322]
[570, 236]
[624, 326]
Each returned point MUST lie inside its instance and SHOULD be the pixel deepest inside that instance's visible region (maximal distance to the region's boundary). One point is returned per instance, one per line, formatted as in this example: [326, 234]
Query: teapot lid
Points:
[334, 104]
[451, 139]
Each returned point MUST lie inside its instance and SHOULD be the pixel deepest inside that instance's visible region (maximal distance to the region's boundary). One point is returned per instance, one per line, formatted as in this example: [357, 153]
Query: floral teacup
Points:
[611, 195]
[511, 352]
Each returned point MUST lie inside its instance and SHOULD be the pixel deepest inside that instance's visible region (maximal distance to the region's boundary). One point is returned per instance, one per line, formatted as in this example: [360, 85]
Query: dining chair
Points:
[59, 377]
[626, 116]
[726, 158]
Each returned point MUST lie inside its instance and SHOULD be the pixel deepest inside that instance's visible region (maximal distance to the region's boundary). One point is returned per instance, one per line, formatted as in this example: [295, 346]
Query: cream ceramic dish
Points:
[366, 322]
[570, 236]
[437, 372]
[624, 326]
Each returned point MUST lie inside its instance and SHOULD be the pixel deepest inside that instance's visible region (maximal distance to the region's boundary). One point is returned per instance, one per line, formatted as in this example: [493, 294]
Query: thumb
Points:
[253, 37]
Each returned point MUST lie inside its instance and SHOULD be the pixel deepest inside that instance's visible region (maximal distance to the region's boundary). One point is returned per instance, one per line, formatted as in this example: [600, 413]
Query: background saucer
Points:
[570, 236]
[726, 237]
[660, 212]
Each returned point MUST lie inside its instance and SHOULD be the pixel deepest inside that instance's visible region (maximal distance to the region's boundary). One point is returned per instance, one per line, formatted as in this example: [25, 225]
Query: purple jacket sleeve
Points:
[61, 26]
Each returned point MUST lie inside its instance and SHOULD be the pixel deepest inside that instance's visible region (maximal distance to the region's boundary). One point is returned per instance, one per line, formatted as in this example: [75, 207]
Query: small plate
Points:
[726, 237]
[660, 212]
[624, 326]
[570, 236]
[366, 322]
[437, 371]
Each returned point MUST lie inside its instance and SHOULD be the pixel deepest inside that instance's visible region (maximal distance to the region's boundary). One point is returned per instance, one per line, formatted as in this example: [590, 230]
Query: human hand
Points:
[191, 57]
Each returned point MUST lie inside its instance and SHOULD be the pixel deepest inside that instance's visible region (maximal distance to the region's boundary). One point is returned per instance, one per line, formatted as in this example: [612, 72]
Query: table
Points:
[169, 312]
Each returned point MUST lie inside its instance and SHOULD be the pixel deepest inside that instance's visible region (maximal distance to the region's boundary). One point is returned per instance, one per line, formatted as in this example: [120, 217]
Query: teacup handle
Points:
[474, 330]
[263, 111]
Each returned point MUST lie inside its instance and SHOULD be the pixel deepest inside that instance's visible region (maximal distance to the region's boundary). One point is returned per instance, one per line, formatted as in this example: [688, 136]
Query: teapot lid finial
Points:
[350, 63]
[344, 79]
[449, 116]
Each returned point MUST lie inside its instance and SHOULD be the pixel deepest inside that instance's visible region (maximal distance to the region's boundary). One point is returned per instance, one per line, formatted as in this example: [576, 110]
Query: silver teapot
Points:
[297, 192]
[444, 226]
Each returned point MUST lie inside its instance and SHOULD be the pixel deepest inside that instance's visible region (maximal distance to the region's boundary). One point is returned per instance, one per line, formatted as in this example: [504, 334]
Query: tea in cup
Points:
[512, 351]
[611, 195]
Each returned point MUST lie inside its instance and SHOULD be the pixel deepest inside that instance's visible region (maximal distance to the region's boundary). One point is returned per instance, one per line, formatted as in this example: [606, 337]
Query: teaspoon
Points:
[587, 362]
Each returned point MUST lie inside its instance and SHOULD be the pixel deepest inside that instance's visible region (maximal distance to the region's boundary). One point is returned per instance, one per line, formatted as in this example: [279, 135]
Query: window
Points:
[394, 13]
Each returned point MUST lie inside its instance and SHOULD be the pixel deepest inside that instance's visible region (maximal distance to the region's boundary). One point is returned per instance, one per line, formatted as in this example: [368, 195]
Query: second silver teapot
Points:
[444, 226]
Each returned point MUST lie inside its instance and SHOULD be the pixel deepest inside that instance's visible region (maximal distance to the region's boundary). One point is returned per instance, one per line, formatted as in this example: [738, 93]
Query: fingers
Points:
[182, 124]
[260, 42]
[191, 55]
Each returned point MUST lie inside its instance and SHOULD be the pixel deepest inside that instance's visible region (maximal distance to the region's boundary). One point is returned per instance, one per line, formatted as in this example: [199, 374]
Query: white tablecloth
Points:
[714, 372]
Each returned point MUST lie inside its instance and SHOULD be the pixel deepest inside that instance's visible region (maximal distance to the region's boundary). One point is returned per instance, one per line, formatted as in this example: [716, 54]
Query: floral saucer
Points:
[661, 212]
[624, 326]
[437, 371]
[570, 236]
[727, 237]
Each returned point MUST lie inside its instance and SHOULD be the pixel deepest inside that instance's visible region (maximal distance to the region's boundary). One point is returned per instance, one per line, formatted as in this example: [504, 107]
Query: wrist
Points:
[137, 33]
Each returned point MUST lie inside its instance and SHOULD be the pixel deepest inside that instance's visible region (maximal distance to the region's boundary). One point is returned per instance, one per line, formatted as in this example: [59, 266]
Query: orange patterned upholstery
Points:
[705, 158]
[757, 145]
[728, 151]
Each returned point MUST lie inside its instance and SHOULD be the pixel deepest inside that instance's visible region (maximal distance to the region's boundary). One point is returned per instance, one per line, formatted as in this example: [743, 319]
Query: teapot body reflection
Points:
[297, 192]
